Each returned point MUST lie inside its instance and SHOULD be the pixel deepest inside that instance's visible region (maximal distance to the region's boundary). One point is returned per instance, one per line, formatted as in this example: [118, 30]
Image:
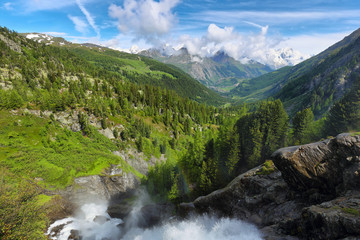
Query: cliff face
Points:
[313, 193]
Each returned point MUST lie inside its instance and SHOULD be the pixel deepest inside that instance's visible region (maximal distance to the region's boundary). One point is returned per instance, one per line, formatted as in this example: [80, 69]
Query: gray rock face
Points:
[314, 194]
[101, 188]
[335, 219]
[262, 199]
[329, 166]
[107, 133]
[137, 160]
[11, 44]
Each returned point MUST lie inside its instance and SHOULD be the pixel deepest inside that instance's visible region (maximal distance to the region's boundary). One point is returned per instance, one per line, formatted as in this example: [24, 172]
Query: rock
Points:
[101, 188]
[11, 44]
[119, 209]
[335, 219]
[151, 215]
[107, 133]
[321, 165]
[101, 219]
[185, 209]
[138, 161]
[263, 198]
[74, 235]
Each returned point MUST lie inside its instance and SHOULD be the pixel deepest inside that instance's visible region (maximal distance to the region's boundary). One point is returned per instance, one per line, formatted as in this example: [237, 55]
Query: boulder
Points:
[262, 199]
[335, 219]
[313, 193]
[322, 165]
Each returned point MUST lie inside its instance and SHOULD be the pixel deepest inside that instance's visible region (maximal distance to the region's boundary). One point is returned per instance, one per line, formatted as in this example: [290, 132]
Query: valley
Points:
[84, 124]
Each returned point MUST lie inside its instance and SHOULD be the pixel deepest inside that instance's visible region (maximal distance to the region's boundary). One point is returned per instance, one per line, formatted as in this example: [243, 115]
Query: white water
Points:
[84, 223]
[197, 228]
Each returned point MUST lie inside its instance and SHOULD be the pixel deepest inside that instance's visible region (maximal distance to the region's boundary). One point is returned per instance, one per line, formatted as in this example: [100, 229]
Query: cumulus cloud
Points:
[243, 47]
[145, 18]
[80, 24]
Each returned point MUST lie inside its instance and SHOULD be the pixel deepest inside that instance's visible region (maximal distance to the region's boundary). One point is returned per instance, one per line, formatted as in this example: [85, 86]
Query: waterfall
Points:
[92, 222]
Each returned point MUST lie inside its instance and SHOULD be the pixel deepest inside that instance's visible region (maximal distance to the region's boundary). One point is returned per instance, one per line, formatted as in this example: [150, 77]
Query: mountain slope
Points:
[144, 70]
[219, 72]
[316, 83]
[134, 68]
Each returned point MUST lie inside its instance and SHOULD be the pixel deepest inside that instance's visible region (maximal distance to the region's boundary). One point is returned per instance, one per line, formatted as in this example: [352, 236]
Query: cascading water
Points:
[93, 223]
[198, 228]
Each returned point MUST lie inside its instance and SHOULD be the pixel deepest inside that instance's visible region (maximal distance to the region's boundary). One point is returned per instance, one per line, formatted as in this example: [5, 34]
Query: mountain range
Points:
[317, 83]
[220, 71]
[78, 119]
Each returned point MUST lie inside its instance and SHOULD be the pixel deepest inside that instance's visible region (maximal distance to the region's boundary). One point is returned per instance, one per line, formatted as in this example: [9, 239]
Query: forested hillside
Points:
[144, 70]
[52, 103]
[316, 83]
[65, 112]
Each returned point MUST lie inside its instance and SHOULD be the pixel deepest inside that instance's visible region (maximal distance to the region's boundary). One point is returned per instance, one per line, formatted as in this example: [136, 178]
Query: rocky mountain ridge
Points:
[316, 83]
[219, 71]
[313, 193]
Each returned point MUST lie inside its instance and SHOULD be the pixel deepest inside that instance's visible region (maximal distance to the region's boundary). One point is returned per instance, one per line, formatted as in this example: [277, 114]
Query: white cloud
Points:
[256, 46]
[145, 18]
[89, 17]
[313, 44]
[8, 6]
[218, 35]
[80, 24]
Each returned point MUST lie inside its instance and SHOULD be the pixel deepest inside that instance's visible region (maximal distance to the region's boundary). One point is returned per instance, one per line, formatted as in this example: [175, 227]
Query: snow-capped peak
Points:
[285, 57]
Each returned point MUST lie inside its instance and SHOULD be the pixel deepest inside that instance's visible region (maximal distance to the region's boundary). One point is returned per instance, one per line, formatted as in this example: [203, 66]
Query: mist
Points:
[92, 222]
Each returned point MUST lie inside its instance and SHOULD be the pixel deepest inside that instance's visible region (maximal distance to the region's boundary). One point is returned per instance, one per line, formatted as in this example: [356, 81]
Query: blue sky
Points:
[203, 26]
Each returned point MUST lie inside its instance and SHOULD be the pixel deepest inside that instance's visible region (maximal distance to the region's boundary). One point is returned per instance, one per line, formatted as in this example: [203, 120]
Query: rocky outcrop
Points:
[330, 166]
[314, 193]
[11, 44]
[335, 219]
[101, 188]
[137, 159]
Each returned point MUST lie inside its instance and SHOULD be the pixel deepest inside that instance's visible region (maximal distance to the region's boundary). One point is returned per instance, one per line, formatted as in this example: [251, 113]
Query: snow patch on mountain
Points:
[39, 37]
[274, 58]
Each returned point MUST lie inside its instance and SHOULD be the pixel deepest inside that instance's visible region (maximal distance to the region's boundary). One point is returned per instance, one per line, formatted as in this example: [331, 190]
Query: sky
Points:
[242, 28]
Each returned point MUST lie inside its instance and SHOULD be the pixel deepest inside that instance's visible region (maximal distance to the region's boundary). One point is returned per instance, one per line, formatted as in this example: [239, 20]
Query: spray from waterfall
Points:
[92, 222]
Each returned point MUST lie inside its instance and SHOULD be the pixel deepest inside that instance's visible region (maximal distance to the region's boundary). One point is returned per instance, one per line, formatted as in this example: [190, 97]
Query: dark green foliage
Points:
[302, 126]
[261, 133]
[344, 116]
[162, 75]
[103, 123]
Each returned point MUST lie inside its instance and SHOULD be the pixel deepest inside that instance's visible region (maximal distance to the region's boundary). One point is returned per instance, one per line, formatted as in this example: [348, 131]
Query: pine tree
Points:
[302, 123]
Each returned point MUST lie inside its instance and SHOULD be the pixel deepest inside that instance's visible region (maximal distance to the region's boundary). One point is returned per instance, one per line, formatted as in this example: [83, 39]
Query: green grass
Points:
[267, 168]
[351, 211]
[35, 147]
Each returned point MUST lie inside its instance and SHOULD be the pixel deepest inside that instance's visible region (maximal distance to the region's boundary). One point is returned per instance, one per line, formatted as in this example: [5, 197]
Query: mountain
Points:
[141, 70]
[144, 70]
[220, 72]
[68, 125]
[46, 39]
[317, 83]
